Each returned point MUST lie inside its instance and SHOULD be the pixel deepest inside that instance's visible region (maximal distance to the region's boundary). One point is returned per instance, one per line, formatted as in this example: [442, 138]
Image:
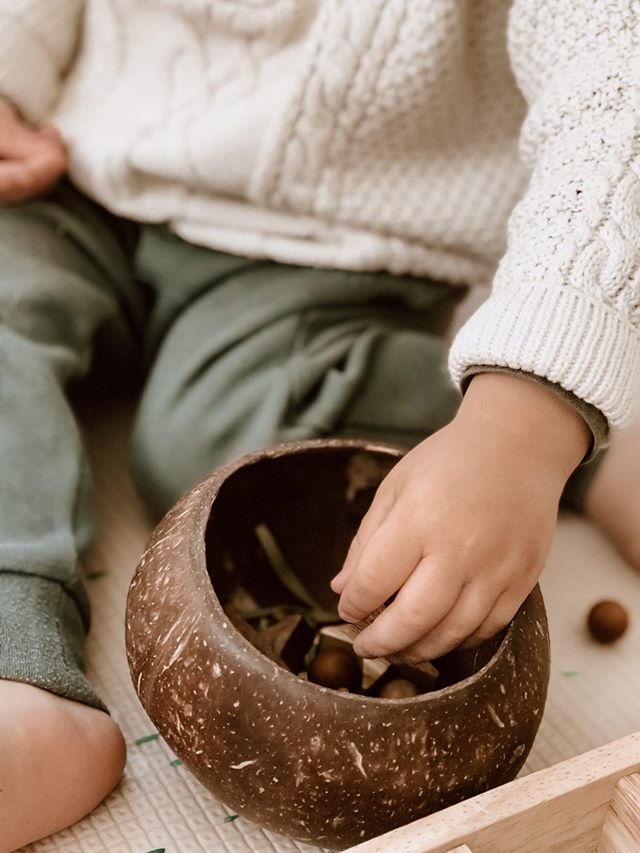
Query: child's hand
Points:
[31, 161]
[461, 526]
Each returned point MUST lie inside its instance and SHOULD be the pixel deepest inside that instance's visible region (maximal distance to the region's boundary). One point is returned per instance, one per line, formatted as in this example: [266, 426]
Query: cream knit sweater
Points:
[374, 134]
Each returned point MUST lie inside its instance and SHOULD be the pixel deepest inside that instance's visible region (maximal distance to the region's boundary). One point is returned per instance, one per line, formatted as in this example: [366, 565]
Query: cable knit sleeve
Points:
[565, 303]
[37, 41]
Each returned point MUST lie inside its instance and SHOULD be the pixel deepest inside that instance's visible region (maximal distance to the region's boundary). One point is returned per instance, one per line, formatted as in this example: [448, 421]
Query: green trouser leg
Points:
[249, 353]
[61, 271]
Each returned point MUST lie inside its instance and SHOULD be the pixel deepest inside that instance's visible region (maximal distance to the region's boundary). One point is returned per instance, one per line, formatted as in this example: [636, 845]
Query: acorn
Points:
[607, 621]
[335, 668]
[398, 688]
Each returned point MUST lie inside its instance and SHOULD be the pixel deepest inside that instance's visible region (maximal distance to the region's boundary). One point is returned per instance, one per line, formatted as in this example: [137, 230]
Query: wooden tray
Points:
[588, 804]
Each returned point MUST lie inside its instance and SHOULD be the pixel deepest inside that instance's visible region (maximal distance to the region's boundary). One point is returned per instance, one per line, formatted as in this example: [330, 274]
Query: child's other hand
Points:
[461, 526]
[31, 161]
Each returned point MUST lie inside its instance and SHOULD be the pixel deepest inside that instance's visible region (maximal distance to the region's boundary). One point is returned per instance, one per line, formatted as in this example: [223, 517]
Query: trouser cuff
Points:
[42, 637]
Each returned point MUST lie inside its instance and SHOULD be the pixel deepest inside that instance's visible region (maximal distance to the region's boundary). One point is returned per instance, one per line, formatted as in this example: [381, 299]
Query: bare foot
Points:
[613, 499]
[58, 760]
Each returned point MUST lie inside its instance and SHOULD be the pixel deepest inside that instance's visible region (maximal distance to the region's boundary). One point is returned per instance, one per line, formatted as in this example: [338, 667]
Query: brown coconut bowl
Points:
[320, 765]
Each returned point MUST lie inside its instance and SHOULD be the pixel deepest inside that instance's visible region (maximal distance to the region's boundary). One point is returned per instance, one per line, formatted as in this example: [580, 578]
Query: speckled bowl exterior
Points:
[319, 765]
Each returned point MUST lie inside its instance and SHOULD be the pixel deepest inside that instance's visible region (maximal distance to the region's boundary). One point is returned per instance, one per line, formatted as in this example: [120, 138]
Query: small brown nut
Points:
[335, 668]
[399, 688]
[607, 621]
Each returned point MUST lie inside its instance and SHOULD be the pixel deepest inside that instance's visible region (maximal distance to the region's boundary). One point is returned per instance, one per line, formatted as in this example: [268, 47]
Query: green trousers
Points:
[239, 354]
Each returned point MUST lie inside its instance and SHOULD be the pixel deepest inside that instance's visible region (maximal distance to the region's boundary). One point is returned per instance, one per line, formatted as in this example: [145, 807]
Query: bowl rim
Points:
[210, 488]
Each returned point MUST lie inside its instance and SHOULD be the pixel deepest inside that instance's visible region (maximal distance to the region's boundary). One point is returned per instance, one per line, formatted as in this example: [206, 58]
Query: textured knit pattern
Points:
[36, 45]
[566, 298]
[374, 135]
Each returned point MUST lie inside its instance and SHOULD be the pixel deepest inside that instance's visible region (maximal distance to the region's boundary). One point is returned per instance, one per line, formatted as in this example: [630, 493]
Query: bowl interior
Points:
[281, 526]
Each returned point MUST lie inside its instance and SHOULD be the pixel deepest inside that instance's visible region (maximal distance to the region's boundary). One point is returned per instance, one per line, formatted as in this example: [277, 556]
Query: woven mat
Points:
[594, 694]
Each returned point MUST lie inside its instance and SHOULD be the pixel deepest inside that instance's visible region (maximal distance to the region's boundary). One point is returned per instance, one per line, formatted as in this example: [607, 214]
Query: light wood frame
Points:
[588, 804]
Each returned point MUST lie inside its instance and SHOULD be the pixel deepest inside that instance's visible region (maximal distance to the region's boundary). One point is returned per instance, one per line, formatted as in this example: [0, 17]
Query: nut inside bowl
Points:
[317, 764]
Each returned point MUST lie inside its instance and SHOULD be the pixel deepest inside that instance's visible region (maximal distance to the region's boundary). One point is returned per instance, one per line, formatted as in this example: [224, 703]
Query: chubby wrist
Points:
[541, 423]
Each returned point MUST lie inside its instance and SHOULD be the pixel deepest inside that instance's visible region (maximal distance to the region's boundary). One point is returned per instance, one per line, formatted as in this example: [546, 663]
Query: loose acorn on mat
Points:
[321, 765]
[607, 621]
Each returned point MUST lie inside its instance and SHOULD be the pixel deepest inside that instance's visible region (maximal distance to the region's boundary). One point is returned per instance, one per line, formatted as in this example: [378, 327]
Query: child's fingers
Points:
[384, 564]
[17, 139]
[498, 618]
[425, 599]
[48, 131]
[374, 517]
[46, 166]
[30, 160]
[15, 181]
[468, 613]
[22, 179]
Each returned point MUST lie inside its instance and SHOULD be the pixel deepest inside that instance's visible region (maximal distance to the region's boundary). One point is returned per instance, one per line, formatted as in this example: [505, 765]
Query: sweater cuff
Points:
[29, 74]
[573, 340]
[593, 417]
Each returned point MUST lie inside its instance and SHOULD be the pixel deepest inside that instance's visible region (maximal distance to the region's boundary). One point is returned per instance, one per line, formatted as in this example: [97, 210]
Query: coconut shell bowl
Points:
[221, 619]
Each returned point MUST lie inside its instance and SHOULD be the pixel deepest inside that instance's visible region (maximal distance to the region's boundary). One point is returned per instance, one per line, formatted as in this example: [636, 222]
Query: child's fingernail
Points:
[362, 651]
[346, 616]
